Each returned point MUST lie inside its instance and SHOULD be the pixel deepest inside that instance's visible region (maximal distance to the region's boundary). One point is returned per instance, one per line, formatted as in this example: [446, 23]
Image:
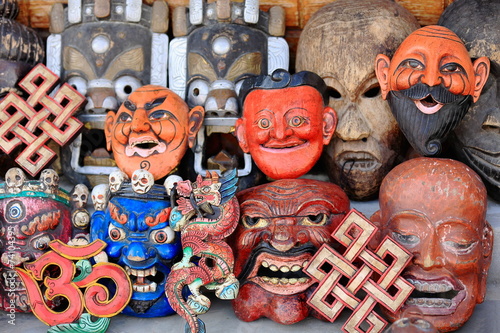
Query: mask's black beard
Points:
[427, 132]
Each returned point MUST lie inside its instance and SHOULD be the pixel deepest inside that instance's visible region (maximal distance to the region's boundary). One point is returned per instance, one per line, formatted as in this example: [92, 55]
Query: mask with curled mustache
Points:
[282, 225]
[430, 83]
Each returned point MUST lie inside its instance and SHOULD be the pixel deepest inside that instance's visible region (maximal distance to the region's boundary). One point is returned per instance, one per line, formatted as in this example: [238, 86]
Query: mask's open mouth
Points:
[145, 280]
[144, 147]
[438, 297]
[357, 161]
[428, 105]
[281, 275]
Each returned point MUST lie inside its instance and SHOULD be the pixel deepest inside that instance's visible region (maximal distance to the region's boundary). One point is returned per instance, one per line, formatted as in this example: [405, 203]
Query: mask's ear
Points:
[481, 72]
[487, 243]
[376, 219]
[196, 116]
[329, 124]
[382, 63]
[241, 134]
[108, 128]
[98, 227]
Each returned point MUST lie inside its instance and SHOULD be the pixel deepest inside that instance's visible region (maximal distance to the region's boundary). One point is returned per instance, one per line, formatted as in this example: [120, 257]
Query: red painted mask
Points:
[436, 209]
[285, 129]
[152, 130]
[282, 225]
[32, 214]
[430, 83]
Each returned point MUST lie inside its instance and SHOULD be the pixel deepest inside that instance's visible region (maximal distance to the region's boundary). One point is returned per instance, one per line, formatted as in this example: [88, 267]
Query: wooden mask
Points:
[340, 43]
[476, 140]
[430, 83]
[285, 122]
[152, 130]
[436, 209]
[282, 225]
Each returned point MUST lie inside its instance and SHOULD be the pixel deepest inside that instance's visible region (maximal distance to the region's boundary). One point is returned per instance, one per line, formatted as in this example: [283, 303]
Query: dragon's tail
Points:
[176, 281]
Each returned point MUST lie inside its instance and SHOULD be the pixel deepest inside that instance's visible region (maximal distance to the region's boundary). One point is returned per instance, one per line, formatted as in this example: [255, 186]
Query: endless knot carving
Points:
[368, 274]
[38, 119]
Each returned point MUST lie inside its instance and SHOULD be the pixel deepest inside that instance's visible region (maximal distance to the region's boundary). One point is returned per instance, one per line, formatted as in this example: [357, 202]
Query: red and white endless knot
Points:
[38, 119]
[370, 279]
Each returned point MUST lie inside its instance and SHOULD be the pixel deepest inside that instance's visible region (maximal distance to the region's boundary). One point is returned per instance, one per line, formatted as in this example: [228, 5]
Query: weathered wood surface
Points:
[35, 13]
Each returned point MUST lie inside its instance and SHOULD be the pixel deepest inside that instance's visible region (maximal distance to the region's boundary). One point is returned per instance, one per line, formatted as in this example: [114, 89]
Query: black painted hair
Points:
[280, 79]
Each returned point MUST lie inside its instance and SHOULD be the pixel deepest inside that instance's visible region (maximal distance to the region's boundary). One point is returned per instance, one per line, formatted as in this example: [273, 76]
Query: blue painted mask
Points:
[140, 239]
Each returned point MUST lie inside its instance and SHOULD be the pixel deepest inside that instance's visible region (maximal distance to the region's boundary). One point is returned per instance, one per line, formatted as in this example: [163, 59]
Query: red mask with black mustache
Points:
[432, 68]
[282, 225]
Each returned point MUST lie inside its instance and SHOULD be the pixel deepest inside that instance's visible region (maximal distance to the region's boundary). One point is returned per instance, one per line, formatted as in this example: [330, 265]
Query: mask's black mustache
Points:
[439, 93]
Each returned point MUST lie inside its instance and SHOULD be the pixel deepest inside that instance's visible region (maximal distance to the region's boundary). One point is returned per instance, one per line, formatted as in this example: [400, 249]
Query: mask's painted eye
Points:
[318, 219]
[162, 236]
[124, 117]
[296, 121]
[405, 240]
[124, 86]
[78, 83]
[254, 222]
[159, 115]
[116, 234]
[461, 247]
[452, 68]
[197, 92]
[413, 64]
[264, 123]
[15, 211]
[41, 243]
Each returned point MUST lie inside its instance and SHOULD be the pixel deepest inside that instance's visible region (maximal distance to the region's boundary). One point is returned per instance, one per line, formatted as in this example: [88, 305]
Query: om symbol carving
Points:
[95, 298]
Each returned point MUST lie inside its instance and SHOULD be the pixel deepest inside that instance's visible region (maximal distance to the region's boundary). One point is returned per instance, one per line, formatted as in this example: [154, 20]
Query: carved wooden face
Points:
[430, 80]
[476, 139]
[27, 225]
[140, 239]
[436, 209]
[367, 142]
[152, 131]
[282, 225]
[285, 129]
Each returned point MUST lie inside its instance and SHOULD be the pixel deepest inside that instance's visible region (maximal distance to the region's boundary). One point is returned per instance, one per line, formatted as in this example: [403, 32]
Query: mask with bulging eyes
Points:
[282, 225]
[29, 220]
[135, 227]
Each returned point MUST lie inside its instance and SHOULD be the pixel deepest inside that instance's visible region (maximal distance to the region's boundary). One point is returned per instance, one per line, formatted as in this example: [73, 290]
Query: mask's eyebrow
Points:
[155, 103]
[129, 105]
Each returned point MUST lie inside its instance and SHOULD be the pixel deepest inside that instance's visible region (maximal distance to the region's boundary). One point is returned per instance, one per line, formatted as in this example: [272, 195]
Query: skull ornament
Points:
[142, 181]
[50, 181]
[79, 196]
[116, 178]
[100, 196]
[170, 182]
[14, 179]
[282, 225]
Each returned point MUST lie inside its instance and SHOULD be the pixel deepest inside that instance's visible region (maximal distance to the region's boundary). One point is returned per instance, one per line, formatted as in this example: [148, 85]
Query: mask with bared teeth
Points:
[282, 226]
[436, 209]
[135, 227]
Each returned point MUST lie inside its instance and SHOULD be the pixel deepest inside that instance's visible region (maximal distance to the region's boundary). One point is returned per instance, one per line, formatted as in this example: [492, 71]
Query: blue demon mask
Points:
[140, 239]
